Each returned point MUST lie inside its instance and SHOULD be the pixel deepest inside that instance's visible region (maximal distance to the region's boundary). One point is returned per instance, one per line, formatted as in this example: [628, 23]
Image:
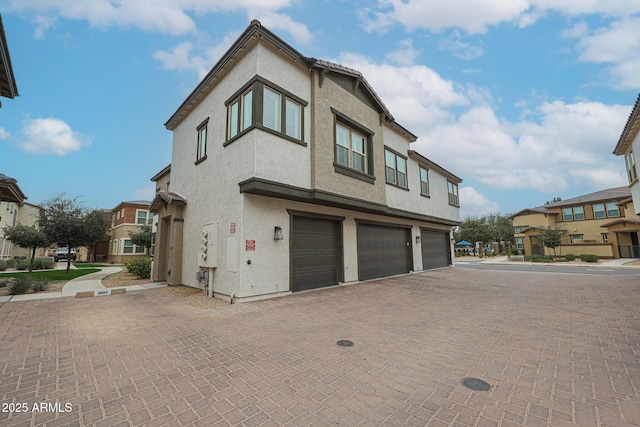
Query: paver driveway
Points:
[556, 350]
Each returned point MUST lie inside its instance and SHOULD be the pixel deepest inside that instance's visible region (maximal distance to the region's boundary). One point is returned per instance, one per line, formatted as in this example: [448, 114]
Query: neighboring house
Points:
[8, 88]
[125, 218]
[629, 146]
[14, 210]
[592, 224]
[289, 173]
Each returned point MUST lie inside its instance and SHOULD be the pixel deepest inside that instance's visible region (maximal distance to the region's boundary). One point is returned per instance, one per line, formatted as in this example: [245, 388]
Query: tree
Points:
[474, 229]
[63, 222]
[500, 227]
[96, 226]
[551, 238]
[28, 237]
[142, 237]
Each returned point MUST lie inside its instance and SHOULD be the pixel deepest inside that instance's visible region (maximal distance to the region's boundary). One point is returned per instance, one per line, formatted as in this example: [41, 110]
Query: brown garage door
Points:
[383, 251]
[435, 249]
[316, 253]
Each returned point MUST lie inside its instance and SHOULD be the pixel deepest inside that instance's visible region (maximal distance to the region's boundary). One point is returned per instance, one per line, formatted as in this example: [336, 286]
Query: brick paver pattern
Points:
[556, 349]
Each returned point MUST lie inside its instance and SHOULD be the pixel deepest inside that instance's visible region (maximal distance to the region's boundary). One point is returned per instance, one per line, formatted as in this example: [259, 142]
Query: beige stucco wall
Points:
[332, 95]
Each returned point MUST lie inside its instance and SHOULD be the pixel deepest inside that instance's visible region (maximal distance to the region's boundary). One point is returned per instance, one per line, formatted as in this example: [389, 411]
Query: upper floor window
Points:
[264, 105]
[424, 181]
[395, 168]
[202, 141]
[630, 162]
[350, 148]
[143, 217]
[575, 213]
[612, 210]
[519, 228]
[454, 200]
[240, 114]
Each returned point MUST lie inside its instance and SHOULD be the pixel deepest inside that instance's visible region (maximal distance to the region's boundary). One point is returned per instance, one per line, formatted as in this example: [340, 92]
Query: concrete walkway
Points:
[88, 283]
[619, 262]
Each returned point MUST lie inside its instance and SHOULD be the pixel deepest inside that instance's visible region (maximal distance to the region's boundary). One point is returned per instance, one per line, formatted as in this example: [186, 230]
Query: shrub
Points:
[139, 267]
[20, 286]
[513, 251]
[5, 282]
[589, 258]
[39, 285]
[570, 257]
[11, 263]
[43, 264]
[22, 264]
[3, 265]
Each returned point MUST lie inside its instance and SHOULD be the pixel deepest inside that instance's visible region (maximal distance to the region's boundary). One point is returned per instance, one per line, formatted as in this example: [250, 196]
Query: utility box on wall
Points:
[208, 254]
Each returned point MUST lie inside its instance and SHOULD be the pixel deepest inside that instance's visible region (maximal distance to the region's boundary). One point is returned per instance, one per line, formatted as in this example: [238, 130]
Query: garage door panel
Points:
[315, 253]
[383, 251]
[436, 252]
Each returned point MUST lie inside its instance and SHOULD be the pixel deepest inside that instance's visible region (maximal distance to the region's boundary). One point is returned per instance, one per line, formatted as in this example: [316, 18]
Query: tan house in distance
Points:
[127, 217]
[595, 223]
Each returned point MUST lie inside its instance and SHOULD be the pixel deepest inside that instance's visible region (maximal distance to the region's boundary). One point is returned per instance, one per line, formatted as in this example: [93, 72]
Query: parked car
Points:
[63, 253]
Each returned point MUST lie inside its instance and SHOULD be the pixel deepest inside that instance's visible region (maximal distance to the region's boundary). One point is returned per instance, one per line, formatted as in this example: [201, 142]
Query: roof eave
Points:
[11, 91]
[433, 165]
[630, 130]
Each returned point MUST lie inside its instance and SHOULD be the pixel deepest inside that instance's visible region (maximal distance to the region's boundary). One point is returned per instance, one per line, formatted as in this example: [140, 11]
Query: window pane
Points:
[233, 119]
[390, 175]
[358, 162]
[598, 211]
[342, 155]
[292, 119]
[202, 143]
[128, 247]
[139, 249]
[390, 159]
[142, 217]
[342, 136]
[357, 143]
[578, 213]
[567, 214]
[612, 210]
[424, 189]
[247, 110]
[402, 179]
[423, 175]
[402, 165]
[271, 109]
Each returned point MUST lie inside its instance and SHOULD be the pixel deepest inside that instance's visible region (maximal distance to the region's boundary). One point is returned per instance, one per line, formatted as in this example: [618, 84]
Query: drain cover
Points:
[345, 343]
[475, 384]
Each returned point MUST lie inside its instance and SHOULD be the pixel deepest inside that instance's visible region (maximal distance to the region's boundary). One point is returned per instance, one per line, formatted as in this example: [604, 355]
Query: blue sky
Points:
[523, 99]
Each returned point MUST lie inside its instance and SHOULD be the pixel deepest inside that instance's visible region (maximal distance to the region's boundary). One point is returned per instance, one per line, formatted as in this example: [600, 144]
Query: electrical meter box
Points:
[208, 253]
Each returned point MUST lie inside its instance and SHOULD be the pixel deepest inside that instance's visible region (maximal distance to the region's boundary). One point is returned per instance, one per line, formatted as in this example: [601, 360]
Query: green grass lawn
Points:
[52, 275]
[86, 265]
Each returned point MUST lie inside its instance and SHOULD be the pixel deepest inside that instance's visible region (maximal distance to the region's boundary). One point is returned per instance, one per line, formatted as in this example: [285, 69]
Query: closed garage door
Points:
[435, 249]
[383, 251]
[315, 253]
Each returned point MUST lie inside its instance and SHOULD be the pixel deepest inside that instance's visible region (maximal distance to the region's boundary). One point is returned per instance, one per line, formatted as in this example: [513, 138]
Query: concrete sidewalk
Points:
[88, 283]
[619, 262]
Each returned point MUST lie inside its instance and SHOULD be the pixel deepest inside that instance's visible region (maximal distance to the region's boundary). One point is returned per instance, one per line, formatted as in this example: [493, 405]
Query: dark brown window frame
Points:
[344, 120]
[203, 125]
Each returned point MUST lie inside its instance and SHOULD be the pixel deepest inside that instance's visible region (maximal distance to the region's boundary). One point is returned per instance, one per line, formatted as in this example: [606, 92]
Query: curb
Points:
[101, 293]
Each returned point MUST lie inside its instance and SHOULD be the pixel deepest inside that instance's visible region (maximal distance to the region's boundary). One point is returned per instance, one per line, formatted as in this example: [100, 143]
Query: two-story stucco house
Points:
[629, 146]
[127, 218]
[288, 174]
[595, 223]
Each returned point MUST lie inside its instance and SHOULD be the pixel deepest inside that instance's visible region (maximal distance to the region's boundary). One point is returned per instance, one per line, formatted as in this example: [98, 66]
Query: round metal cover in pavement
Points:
[475, 384]
[345, 343]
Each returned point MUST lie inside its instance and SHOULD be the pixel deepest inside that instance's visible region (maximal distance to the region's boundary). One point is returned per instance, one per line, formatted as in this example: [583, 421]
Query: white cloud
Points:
[616, 45]
[460, 49]
[4, 134]
[51, 136]
[475, 16]
[165, 16]
[556, 146]
[474, 204]
[405, 54]
[146, 193]
[282, 22]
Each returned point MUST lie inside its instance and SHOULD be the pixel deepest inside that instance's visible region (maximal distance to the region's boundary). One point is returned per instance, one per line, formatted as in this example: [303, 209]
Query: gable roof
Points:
[433, 165]
[9, 190]
[144, 203]
[8, 87]
[163, 172]
[254, 32]
[618, 194]
[630, 130]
